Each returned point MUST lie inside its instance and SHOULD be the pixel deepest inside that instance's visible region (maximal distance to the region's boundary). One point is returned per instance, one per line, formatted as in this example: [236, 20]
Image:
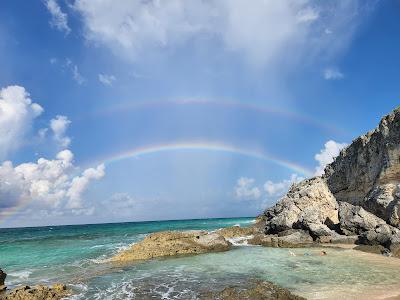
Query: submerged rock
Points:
[260, 290]
[38, 292]
[171, 243]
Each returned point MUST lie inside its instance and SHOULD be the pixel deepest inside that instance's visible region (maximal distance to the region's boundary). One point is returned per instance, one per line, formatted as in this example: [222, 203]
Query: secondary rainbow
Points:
[207, 146]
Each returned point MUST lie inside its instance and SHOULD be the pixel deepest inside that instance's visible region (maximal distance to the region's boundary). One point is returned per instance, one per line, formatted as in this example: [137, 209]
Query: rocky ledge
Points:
[172, 243]
[37, 292]
[259, 290]
[357, 200]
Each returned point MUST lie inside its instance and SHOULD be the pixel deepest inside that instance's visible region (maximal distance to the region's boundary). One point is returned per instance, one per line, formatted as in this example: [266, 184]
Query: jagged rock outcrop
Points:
[38, 292]
[308, 205]
[172, 243]
[358, 197]
[367, 173]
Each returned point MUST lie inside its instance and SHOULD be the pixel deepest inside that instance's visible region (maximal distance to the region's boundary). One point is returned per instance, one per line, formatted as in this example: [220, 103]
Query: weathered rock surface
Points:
[358, 196]
[2, 279]
[356, 220]
[367, 173]
[261, 290]
[308, 205]
[237, 231]
[171, 243]
[38, 292]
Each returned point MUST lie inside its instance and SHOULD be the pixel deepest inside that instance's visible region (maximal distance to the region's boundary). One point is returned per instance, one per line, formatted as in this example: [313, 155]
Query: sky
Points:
[116, 111]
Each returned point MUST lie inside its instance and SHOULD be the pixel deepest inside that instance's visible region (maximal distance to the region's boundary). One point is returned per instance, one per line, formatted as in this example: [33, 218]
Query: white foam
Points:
[20, 274]
[240, 241]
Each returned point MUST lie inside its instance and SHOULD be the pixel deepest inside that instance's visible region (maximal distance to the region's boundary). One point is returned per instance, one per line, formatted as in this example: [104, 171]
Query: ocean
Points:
[77, 255]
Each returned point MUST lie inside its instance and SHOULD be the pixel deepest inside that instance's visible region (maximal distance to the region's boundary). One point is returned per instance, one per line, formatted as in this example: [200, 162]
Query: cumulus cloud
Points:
[333, 74]
[59, 19]
[259, 30]
[278, 189]
[107, 79]
[17, 113]
[46, 183]
[59, 126]
[327, 155]
[79, 185]
[245, 189]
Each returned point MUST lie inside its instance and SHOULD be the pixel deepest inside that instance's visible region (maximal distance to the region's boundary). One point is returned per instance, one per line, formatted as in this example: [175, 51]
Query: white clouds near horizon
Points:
[333, 74]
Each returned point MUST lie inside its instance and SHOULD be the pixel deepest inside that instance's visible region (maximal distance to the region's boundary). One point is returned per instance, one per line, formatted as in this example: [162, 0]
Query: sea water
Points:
[77, 255]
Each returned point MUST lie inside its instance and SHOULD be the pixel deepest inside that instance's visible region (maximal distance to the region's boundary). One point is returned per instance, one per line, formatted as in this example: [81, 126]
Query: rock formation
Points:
[38, 292]
[356, 200]
[260, 290]
[2, 279]
[171, 243]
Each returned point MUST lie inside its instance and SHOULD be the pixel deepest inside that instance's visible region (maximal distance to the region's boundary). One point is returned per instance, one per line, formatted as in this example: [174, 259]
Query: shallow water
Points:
[76, 255]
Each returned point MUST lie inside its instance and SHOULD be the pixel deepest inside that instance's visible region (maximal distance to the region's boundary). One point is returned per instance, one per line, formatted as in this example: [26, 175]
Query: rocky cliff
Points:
[358, 196]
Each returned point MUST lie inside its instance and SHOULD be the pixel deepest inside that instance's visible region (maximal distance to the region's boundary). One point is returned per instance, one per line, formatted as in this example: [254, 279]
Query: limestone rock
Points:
[236, 231]
[171, 243]
[261, 240]
[39, 292]
[381, 235]
[298, 238]
[356, 220]
[307, 205]
[370, 163]
[260, 290]
[376, 249]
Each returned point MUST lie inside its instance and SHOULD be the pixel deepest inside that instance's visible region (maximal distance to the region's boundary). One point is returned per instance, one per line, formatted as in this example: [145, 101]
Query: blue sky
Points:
[229, 95]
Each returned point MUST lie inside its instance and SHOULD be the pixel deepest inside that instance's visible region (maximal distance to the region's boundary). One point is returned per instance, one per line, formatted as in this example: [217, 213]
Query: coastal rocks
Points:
[171, 243]
[260, 290]
[291, 238]
[38, 292]
[381, 235]
[308, 205]
[368, 164]
[237, 231]
[356, 220]
[2, 279]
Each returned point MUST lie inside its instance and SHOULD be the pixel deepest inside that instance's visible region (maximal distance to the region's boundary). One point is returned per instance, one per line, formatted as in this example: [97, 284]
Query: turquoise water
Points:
[76, 255]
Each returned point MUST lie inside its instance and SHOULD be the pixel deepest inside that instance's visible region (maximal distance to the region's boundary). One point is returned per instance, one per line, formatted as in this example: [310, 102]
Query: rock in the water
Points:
[261, 290]
[2, 279]
[171, 243]
[261, 240]
[297, 238]
[308, 205]
[356, 220]
[38, 292]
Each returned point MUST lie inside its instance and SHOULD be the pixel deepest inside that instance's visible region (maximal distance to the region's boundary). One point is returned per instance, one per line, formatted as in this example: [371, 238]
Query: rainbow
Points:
[284, 113]
[206, 146]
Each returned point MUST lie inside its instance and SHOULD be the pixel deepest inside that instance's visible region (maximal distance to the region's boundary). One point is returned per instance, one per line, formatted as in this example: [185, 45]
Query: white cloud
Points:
[77, 76]
[47, 183]
[260, 30]
[245, 189]
[278, 189]
[59, 19]
[333, 74]
[327, 155]
[17, 113]
[79, 185]
[107, 79]
[59, 126]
